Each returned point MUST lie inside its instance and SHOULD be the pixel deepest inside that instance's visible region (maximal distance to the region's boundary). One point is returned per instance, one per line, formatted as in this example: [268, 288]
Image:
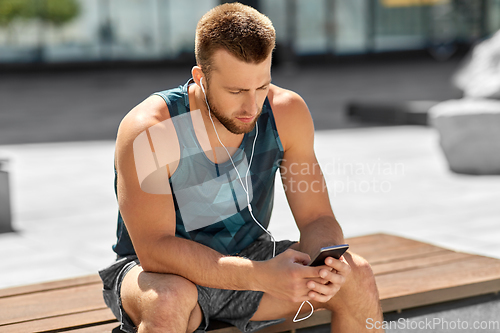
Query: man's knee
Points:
[361, 275]
[171, 294]
[158, 299]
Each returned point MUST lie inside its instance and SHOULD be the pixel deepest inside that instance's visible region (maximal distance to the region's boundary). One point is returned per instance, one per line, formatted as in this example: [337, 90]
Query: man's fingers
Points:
[318, 297]
[323, 293]
[299, 257]
[326, 294]
[320, 280]
[341, 266]
[332, 279]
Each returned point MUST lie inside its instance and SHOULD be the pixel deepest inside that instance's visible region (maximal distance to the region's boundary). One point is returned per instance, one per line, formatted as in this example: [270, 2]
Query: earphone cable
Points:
[295, 320]
[245, 189]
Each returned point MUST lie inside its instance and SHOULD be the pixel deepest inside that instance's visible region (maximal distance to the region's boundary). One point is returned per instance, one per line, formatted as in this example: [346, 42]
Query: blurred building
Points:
[163, 30]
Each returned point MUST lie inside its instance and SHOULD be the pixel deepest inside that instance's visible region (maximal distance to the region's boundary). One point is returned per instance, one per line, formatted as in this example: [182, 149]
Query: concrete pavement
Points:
[381, 179]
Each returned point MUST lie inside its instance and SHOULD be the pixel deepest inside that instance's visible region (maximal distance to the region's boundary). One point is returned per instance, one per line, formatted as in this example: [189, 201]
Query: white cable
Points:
[237, 172]
[295, 320]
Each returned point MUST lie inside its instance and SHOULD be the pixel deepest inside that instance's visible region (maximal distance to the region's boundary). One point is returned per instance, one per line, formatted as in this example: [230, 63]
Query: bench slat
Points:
[44, 286]
[375, 242]
[472, 276]
[439, 296]
[62, 322]
[387, 249]
[50, 303]
[431, 259]
[473, 269]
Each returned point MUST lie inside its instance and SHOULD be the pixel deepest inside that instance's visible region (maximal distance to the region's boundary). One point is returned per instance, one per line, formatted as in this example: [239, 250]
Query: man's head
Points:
[241, 30]
[233, 50]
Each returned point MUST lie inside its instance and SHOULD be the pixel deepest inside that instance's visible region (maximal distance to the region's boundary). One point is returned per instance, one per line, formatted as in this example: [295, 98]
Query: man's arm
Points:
[302, 178]
[306, 191]
[150, 220]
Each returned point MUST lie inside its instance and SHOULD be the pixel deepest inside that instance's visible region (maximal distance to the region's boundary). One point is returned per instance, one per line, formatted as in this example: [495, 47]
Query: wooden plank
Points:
[383, 248]
[433, 259]
[413, 251]
[62, 322]
[51, 303]
[376, 242]
[439, 296]
[472, 270]
[67, 283]
[475, 275]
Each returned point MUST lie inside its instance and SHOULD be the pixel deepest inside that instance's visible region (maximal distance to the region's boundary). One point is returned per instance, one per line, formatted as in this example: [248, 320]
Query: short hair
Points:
[239, 29]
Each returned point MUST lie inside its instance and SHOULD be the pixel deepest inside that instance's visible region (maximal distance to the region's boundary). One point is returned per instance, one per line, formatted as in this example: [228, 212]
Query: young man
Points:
[195, 171]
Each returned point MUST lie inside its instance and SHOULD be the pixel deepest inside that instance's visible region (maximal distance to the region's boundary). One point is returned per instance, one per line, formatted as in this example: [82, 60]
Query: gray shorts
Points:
[230, 306]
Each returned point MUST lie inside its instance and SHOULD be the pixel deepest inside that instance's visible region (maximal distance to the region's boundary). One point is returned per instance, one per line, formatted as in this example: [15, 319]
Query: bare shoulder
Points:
[291, 114]
[283, 99]
[152, 112]
[149, 112]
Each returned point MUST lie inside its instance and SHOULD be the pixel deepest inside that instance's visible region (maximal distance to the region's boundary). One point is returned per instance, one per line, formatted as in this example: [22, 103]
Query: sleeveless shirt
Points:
[210, 203]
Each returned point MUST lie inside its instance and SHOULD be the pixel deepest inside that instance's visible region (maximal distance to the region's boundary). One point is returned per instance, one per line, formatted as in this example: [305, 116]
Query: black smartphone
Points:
[335, 251]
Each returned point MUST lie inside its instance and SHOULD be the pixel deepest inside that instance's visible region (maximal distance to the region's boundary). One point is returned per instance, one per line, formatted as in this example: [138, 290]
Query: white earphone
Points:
[245, 188]
[248, 196]
[201, 86]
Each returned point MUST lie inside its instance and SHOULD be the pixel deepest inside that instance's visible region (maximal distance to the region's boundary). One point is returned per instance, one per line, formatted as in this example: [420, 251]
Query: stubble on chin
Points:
[231, 124]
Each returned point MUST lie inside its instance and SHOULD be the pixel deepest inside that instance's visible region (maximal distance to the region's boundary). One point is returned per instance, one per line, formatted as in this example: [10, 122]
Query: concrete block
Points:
[5, 211]
[469, 131]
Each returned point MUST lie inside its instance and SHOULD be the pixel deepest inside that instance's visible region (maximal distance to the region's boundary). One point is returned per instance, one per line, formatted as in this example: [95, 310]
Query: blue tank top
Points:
[211, 207]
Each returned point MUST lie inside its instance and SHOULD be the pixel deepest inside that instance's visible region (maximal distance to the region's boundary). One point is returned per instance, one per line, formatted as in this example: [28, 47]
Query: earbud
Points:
[201, 85]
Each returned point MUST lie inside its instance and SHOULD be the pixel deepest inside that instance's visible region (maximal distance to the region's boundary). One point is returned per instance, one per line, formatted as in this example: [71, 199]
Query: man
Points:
[195, 173]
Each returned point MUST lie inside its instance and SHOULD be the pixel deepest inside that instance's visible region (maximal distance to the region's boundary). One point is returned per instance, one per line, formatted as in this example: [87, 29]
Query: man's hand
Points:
[331, 278]
[287, 277]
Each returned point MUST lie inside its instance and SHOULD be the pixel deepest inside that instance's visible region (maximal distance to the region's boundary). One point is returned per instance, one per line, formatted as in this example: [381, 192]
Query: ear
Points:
[197, 74]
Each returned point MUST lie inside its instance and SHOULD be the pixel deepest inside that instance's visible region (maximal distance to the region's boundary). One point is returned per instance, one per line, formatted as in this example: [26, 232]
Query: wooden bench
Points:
[409, 274]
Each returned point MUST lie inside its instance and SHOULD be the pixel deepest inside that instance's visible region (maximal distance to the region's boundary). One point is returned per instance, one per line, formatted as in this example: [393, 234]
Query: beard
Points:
[232, 124]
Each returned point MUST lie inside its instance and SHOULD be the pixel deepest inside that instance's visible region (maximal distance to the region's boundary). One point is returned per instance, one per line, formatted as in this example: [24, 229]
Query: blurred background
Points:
[72, 31]
[68, 53]
[369, 70]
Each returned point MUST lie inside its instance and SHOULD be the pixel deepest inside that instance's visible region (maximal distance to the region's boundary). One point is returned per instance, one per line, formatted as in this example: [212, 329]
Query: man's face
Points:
[237, 90]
